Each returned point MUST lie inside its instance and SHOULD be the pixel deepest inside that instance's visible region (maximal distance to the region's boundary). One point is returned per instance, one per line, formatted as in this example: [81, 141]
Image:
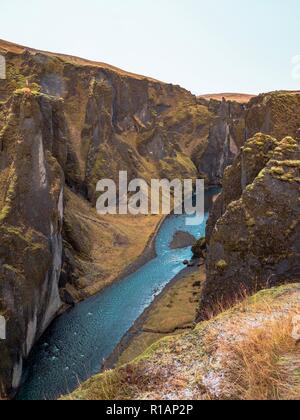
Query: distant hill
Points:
[237, 97]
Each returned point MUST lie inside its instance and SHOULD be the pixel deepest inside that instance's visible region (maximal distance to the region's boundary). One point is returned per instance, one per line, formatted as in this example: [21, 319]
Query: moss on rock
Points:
[253, 234]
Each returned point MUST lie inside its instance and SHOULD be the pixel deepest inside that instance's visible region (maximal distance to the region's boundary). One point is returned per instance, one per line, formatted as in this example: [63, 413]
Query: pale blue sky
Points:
[203, 45]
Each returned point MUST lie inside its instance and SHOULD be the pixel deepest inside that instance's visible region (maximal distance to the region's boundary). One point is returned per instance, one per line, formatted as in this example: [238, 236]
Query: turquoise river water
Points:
[76, 344]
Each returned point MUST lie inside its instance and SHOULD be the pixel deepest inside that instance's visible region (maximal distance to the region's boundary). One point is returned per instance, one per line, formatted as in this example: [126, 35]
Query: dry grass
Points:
[242, 98]
[109, 388]
[177, 307]
[246, 353]
[240, 298]
[259, 363]
[120, 384]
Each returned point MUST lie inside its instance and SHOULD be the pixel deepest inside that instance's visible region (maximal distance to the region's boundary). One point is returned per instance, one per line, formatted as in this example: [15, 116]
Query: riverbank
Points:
[140, 249]
[173, 310]
[148, 254]
[101, 250]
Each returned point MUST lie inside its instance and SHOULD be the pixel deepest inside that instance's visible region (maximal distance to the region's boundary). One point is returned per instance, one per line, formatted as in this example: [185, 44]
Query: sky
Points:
[206, 46]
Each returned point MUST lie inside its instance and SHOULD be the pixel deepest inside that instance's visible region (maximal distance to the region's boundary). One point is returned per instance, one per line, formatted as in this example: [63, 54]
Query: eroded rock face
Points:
[275, 113]
[226, 136]
[252, 159]
[31, 220]
[254, 236]
[119, 121]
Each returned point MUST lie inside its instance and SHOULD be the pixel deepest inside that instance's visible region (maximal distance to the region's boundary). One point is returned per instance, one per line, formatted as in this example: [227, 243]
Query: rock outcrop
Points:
[33, 153]
[275, 113]
[254, 231]
[199, 248]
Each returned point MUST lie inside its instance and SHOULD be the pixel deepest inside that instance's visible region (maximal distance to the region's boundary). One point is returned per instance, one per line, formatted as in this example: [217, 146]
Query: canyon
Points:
[66, 123]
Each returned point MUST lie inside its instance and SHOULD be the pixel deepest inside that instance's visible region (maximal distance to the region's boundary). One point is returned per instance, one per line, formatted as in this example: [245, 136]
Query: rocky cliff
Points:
[33, 153]
[65, 123]
[225, 138]
[253, 231]
[274, 113]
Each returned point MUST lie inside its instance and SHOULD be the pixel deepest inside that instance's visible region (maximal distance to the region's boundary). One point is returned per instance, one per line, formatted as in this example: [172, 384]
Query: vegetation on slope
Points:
[245, 353]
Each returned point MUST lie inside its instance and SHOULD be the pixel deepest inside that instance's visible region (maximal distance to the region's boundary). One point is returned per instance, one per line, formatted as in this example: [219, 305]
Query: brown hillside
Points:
[242, 98]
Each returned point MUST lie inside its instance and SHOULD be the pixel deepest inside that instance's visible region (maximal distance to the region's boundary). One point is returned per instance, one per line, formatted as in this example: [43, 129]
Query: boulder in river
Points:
[182, 240]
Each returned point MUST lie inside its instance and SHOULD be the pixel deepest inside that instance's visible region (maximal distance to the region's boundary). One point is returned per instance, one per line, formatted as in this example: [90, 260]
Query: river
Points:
[76, 344]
